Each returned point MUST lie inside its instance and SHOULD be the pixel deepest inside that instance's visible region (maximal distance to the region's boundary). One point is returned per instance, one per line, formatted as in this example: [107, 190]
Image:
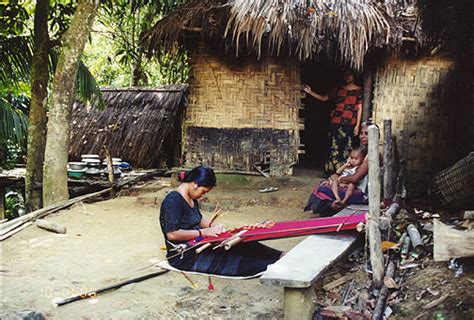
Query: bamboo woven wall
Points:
[419, 97]
[243, 93]
[248, 101]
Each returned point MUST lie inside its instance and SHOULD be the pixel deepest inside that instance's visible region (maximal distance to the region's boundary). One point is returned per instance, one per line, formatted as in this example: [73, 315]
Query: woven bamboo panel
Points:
[241, 149]
[418, 95]
[453, 186]
[243, 93]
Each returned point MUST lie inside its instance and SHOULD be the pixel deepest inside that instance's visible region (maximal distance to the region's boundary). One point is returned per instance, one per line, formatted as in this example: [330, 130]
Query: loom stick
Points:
[93, 294]
[203, 247]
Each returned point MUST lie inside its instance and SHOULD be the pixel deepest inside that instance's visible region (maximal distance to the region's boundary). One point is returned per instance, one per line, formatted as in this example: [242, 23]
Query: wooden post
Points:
[2, 201]
[388, 187]
[299, 303]
[367, 103]
[376, 258]
[110, 168]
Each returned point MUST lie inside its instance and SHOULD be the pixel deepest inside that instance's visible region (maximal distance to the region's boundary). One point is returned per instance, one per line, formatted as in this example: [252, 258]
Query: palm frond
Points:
[16, 54]
[87, 89]
[13, 123]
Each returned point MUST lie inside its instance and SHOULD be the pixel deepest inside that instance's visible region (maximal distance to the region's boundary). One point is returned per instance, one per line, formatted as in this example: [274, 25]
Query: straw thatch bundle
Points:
[344, 30]
[134, 126]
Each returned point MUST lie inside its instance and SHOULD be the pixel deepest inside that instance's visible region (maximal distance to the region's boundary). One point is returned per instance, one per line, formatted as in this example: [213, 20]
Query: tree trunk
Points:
[138, 74]
[57, 141]
[37, 115]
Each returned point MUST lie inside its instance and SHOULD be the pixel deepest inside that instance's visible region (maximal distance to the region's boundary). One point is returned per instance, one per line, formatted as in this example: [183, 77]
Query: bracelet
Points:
[200, 234]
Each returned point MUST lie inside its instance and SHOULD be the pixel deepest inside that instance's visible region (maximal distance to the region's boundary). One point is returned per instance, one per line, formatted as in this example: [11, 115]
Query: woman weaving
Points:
[181, 221]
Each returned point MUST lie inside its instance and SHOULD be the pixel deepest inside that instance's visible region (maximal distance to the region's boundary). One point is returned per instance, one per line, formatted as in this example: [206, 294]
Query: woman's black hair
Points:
[202, 175]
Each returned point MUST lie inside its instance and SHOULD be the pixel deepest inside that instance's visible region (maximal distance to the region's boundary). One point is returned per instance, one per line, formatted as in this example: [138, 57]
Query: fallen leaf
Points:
[388, 245]
[436, 302]
[390, 283]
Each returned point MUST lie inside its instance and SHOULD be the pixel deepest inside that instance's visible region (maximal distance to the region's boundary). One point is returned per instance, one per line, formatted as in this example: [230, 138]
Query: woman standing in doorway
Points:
[345, 119]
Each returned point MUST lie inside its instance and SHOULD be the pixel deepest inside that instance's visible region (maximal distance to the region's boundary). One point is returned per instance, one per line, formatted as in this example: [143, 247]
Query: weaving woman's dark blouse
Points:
[243, 260]
[176, 214]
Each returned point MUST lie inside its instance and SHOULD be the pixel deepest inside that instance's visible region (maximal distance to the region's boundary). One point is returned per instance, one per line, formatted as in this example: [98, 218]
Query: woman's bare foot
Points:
[340, 204]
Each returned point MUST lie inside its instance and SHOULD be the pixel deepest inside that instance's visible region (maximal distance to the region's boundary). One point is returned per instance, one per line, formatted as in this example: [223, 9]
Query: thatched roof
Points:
[344, 30]
[134, 125]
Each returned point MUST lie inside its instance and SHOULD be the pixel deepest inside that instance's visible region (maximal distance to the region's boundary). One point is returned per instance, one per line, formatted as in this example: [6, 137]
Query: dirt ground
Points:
[115, 240]
[109, 241]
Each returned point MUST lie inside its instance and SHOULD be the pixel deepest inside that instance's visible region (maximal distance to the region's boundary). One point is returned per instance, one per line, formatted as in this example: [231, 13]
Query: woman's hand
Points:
[213, 231]
[356, 131]
[307, 89]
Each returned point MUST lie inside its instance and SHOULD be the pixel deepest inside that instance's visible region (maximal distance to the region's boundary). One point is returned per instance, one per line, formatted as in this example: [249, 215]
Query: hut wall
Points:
[242, 113]
[419, 96]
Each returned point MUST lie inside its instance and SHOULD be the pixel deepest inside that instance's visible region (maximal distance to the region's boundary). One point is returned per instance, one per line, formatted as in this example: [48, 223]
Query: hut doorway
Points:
[321, 77]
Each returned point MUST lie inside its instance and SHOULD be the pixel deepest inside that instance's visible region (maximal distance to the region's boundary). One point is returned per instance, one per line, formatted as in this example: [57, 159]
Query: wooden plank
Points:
[297, 270]
[12, 232]
[325, 248]
[336, 283]
[451, 243]
[43, 212]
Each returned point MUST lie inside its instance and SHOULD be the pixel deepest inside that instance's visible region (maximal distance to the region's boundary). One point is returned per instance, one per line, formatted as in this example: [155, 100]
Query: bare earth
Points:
[109, 241]
[115, 240]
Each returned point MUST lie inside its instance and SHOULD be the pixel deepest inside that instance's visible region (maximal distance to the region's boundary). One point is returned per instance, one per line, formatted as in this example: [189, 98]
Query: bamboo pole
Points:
[380, 306]
[376, 258]
[43, 212]
[388, 187]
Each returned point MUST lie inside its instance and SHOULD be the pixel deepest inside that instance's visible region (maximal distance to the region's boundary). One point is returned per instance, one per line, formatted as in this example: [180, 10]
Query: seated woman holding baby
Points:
[347, 186]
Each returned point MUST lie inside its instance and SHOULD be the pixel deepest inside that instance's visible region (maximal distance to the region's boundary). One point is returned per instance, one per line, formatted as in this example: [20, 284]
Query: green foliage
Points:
[114, 52]
[16, 49]
[87, 89]
[60, 16]
[16, 54]
[14, 121]
[13, 129]
[14, 17]
[14, 204]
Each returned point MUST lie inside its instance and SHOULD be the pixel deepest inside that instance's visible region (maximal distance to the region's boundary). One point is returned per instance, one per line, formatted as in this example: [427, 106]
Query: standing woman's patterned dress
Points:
[343, 121]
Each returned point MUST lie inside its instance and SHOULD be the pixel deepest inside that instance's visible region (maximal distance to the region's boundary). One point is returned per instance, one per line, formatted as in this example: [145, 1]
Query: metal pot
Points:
[93, 171]
[90, 156]
[77, 165]
[92, 162]
[77, 174]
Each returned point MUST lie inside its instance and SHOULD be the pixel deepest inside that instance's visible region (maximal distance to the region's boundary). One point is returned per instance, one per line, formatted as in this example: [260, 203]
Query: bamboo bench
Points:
[303, 265]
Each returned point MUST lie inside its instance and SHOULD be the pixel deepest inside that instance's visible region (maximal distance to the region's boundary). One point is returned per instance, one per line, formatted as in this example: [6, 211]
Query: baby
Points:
[356, 157]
